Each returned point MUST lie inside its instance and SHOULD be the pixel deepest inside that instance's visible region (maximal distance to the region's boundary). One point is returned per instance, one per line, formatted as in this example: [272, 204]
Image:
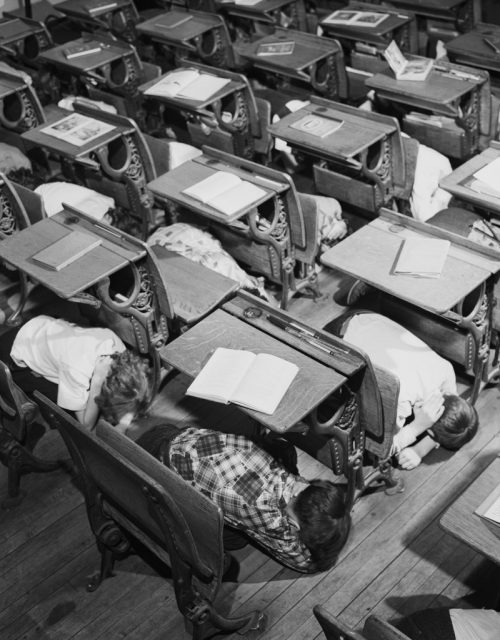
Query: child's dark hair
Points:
[127, 387]
[457, 425]
[324, 523]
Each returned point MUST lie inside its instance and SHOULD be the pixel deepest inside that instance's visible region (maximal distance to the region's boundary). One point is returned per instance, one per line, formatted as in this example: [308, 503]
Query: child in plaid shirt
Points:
[302, 524]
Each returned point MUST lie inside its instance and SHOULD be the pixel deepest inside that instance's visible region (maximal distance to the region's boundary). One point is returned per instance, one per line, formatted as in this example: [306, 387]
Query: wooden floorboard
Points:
[397, 560]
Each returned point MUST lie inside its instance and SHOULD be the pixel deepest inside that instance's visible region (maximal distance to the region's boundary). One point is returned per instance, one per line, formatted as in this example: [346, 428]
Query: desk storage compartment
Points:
[347, 189]
[445, 337]
[448, 140]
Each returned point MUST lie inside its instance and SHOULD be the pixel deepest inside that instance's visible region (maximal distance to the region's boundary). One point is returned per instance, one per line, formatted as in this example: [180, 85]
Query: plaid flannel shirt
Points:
[250, 487]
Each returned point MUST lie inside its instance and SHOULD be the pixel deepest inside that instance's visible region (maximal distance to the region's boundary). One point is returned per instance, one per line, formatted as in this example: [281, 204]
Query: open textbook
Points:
[187, 83]
[414, 68]
[256, 381]
[77, 129]
[226, 192]
[422, 257]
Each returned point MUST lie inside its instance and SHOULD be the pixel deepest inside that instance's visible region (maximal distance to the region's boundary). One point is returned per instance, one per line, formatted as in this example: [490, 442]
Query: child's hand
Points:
[428, 411]
[409, 459]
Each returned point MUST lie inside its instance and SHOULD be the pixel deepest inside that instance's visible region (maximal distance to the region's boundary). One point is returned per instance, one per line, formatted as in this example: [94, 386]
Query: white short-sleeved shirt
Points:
[420, 370]
[64, 354]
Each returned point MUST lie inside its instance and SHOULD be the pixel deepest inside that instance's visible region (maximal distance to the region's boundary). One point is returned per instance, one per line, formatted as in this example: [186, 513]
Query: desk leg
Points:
[480, 329]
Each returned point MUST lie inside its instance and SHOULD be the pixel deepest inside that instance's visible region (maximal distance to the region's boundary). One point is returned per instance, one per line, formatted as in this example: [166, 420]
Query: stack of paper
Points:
[475, 624]
[422, 257]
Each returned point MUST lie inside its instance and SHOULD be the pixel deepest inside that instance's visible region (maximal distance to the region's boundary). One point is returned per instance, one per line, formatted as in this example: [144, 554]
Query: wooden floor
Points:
[397, 559]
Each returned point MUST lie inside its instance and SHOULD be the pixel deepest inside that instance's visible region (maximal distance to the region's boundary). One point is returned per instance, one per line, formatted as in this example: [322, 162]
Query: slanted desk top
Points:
[472, 48]
[10, 83]
[308, 49]
[357, 131]
[461, 522]
[367, 32]
[430, 8]
[116, 251]
[15, 29]
[195, 24]
[170, 185]
[109, 51]
[370, 253]
[90, 9]
[313, 383]
[440, 92]
[458, 181]
[235, 84]
[37, 136]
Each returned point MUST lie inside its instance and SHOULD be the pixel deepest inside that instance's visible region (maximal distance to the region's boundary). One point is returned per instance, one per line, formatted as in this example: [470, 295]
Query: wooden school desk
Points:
[115, 65]
[268, 11]
[361, 162]
[316, 61]
[479, 48]
[450, 110]
[195, 33]
[243, 323]
[370, 253]
[458, 181]
[118, 16]
[460, 521]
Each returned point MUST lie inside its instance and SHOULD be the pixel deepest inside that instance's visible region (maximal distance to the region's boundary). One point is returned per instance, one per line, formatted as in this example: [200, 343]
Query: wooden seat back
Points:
[123, 485]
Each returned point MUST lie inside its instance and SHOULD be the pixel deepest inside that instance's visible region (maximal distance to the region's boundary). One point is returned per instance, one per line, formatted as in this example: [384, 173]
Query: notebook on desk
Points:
[66, 250]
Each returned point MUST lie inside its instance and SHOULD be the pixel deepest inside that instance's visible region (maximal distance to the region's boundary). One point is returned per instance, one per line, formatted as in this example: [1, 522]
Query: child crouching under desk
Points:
[429, 408]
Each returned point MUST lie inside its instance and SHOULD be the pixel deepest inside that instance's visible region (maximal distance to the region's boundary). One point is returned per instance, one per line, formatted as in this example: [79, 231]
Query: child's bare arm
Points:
[411, 457]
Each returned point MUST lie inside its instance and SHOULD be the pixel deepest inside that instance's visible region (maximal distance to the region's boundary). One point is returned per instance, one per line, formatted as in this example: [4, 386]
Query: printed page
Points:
[213, 186]
[203, 87]
[78, 129]
[395, 58]
[173, 83]
[490, 507]
[221, 375]
[240, 197]
[265, 383]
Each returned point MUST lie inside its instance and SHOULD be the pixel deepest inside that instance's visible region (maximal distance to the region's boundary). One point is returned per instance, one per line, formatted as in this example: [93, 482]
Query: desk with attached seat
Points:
[117, 16]
[451, 110]
[360, 162]
[433, 308]
[314, 63]
[203, 36]
[231, 119]
[270, 235]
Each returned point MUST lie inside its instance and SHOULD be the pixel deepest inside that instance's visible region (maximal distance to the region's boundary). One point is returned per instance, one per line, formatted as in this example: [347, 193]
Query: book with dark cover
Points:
[66, 250]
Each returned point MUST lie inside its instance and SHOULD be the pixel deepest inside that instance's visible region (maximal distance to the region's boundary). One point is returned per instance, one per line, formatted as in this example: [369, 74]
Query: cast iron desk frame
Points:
[442, 93]
[16, 36]
[137, 168]
[117, 250]
[281, 238]
[310, 54]
[29, 112]
[118, 16]
[467, 267]
[238, 87]
[188, 37]
[347, 149]
[462, 523]
[98, 67]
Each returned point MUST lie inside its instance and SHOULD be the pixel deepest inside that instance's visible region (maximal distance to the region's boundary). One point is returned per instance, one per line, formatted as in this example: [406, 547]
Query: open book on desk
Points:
[255, 381]
[226, 192]
[190, 84]
[486, 180]
[415, 68]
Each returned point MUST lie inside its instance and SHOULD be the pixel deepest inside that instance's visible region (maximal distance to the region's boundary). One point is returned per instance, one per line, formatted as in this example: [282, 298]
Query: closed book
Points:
[66, 250]
[422, 257]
